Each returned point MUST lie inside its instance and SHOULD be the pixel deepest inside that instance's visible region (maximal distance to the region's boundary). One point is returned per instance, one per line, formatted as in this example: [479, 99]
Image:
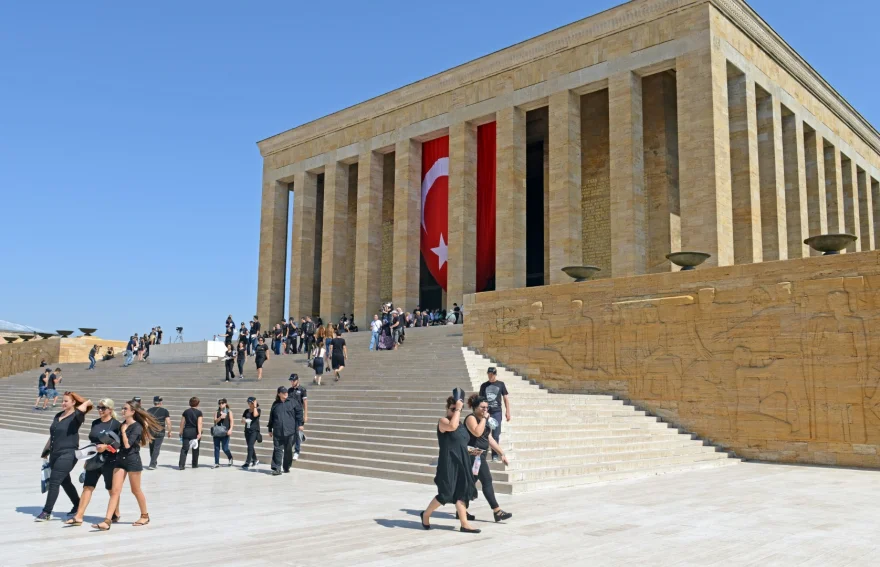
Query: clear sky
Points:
[129, 175]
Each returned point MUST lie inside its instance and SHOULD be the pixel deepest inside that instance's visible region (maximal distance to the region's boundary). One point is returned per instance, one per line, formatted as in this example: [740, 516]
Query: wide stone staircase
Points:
[380, 419]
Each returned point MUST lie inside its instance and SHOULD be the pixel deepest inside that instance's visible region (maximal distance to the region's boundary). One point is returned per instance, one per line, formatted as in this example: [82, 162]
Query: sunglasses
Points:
[102, 408]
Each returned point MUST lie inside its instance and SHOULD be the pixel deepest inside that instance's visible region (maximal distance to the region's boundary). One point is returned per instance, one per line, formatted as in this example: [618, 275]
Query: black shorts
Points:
[129, 463]
[259, 362]
[337, 362]
[92, 477]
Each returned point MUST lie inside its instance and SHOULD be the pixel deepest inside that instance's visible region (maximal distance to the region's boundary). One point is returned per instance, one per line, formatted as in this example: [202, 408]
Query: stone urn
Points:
[830, 243]
[86, 331]
[688, 260]
[26, 338]
[581, 273]
[64, 334]
[10, 339]
[46, 335]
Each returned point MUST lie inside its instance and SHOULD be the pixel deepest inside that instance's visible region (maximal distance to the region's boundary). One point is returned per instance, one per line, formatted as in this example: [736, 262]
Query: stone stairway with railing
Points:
[379, 420]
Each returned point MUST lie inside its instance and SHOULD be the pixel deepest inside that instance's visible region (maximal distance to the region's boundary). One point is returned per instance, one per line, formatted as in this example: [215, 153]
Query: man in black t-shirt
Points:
[495, 391]
[158, 335]
[163, 418]
[51, 384]
[255, 332]
[41, 388]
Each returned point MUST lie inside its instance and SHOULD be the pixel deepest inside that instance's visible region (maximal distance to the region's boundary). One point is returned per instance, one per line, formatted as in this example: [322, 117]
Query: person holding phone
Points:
[481, 439]
[222, 431]
[455, 483]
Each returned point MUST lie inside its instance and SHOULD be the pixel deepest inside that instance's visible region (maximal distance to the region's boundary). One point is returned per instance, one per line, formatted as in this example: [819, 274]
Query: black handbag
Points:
[259, 437]
[219, 431]
[95, 463]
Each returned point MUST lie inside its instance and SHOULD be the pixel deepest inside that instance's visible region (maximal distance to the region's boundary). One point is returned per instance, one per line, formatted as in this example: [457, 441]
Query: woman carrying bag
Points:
[221, 431]
[61, 450]
[105, 460]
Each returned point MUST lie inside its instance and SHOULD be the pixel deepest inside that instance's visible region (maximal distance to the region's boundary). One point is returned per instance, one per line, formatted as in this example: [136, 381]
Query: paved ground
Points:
[751, 514]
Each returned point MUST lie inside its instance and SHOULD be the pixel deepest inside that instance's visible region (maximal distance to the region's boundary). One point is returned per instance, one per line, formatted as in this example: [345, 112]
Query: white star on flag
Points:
[441, 251]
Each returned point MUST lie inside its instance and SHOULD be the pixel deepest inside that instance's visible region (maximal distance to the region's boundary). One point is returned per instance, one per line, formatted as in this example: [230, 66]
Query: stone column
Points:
[628, 203]
[866, 210]
[407, 223]
[302, 246]
[566, 247]
[850, 202]
[833, 189]
[796, 216]
[273, 249]
[745, 183]
[817, 211]
[368, 246]
[546, 179]
[335, 241]
[461, 272]
[704, 155]
[510, 199]
[774, 235]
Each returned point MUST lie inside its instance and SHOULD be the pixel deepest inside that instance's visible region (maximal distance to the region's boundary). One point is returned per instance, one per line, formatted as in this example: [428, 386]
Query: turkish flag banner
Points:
[486, 207]
[435, 207]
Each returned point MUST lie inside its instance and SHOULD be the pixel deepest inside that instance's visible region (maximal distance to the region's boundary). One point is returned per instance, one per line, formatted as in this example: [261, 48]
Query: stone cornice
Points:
[759, 31]
[625, 16]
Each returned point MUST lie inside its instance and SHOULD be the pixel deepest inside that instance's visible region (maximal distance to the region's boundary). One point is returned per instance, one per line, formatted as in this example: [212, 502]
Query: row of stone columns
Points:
[752, 180]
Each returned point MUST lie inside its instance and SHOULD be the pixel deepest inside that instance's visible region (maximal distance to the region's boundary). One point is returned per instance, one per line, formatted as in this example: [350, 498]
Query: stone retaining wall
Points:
[777, 361]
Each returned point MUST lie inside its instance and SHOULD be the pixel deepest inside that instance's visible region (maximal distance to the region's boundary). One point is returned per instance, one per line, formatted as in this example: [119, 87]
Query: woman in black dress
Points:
[261, 356]
[480, 438]
[137, 431]
[107, 421]
[61, 450]
[455, 483]
[251, 420]
[338, 354]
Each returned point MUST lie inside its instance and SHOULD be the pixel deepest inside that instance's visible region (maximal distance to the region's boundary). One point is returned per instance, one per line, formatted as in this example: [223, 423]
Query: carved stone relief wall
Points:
[776, 361]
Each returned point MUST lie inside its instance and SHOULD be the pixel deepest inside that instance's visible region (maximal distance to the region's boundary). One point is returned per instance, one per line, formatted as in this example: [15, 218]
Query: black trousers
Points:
[230, 365]
[241, 366]
[184, 450]
[282, 446]
[250, 438]
[155, 445]
[485, 478]
[62, 464]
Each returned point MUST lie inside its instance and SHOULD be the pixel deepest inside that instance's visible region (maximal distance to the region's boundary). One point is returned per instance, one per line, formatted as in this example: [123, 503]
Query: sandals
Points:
[143, 521]
[73, 522]
[115, 519]
[104, 526]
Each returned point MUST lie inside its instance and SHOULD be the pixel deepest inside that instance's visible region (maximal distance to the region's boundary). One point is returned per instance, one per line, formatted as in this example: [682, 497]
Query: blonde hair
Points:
[108, 403]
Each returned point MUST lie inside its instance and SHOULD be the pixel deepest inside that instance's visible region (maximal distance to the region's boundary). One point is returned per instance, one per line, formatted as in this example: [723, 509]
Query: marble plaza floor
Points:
[751, 514]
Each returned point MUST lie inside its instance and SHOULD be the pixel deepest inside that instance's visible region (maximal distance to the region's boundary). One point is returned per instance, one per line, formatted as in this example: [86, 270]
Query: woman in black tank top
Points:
[480, 438]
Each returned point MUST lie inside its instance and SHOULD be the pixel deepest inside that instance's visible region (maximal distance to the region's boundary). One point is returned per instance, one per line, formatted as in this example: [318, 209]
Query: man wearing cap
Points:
[284, 419]
[163, 418]
[494, 390]
[298, 394]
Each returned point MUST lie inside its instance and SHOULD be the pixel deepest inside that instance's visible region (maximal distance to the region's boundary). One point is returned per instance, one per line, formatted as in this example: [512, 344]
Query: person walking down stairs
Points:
[494, 390]
[229, 360]
[284, 418]
[480, 438]
[251, 420]
[222, 430]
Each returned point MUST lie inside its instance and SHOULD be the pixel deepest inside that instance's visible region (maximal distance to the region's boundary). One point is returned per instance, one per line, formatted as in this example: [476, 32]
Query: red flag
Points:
[435, 207]
[485, 205]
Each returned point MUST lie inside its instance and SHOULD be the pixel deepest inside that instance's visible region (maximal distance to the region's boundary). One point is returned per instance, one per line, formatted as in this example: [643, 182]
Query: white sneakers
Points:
[296, 456]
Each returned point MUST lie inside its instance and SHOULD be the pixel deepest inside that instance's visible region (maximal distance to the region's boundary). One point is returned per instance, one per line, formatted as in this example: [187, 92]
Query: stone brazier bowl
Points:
[26, 338]
[86, 331]
[830, 243]
[10, 339]
[688, 260]
[581, 273]
[46, 335]
[64, 334]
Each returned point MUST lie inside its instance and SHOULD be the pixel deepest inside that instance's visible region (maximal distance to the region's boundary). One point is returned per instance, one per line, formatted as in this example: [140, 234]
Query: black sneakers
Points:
[501, 515]
[43, 517]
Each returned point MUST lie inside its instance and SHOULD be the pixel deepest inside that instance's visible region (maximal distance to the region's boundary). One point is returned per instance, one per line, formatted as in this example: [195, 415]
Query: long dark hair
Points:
[148, 422]
[223, 401]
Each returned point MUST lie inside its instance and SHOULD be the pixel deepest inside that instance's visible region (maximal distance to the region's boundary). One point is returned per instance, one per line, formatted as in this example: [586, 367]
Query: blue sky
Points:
[129, 174]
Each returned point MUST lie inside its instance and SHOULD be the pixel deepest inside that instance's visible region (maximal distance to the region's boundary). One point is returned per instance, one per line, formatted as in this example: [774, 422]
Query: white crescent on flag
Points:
[438, 170]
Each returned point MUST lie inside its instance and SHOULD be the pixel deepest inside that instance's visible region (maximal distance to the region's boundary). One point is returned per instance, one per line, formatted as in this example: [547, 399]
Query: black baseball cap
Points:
[251, 399]
[294, 376]
[282, 390]
[157, 399]
[492, 370]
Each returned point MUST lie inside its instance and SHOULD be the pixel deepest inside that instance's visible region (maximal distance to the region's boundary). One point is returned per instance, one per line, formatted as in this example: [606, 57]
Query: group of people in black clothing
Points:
[463, 450]
[112, 455]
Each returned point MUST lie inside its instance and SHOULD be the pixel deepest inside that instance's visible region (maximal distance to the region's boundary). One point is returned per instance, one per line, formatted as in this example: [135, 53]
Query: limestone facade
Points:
[22, 356]
[777, 361]
[673, 125]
